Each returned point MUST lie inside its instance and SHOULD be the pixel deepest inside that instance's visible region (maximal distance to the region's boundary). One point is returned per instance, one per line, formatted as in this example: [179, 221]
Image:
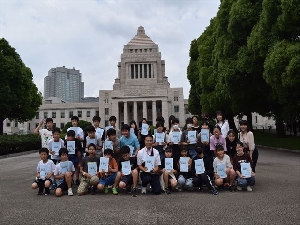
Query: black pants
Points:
[203, 178]
[153, 179]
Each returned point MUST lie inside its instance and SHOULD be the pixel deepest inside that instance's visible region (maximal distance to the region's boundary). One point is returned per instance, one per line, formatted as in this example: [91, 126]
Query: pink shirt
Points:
[214, 141]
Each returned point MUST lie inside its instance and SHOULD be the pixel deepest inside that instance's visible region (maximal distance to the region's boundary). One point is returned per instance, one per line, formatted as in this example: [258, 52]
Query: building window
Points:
[176, 108]
[149, 70]
[130, 109]
[106, 111]
[88, 113]
[70, 114]
[141, 70]
[106, 100]
[79, 114]
[141, 50]
[45, 115]
[149, 109]
[106, 123]
[54, 124]
[8, 124]
[131, 50]
[150, 50]
[62, 125]
[53, 114]
[135, 50]
[145, 70]
[97, 113]
[158, 109]
[132, 71]
[16, 124]
[145, 50]
[255, 119]
[136, 71]
[186, 111]
[176, 99]
[37, 116]
[62, 114]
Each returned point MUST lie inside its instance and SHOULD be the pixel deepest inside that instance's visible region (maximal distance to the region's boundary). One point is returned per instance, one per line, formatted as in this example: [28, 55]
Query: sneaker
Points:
[106, 190]
[200, 188]
[214, 191]
[128, 189]
[134, 192]
[115, 191]
[47, 191]
[231, 188]
[70, 192]
[93, 190]
[40, 193]
[144, 190]
[139, 186]
[77, 182]
[167, 191]
[239, 188]
[249, 188]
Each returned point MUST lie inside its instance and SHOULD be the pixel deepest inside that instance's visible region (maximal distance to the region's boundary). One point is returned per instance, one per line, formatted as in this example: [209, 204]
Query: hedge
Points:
[10, 144]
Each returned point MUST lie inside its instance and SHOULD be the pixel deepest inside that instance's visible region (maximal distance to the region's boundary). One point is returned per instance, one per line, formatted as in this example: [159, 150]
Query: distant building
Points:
[65, 84]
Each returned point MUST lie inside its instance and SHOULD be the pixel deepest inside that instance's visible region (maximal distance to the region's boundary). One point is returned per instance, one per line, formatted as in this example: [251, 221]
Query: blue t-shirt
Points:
[131, 141]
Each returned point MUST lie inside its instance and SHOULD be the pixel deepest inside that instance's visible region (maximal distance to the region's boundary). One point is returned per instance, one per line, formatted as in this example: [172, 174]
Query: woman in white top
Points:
[222, 124]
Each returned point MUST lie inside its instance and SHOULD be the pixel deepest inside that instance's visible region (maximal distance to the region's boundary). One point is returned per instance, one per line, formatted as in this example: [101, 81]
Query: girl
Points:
[175, 146]
[205, 139]
[222, 123]
[217, 138]
[195, 124]
[231, 140]
[142, 137]
[135, 129]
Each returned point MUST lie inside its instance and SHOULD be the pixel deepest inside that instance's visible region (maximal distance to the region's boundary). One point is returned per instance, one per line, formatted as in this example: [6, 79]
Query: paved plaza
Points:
[274, 200]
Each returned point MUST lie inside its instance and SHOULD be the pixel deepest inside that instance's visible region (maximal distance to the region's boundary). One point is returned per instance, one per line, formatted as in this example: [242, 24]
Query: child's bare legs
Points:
[230, 175]
[117, 180]
[100, 187]
[69, 179]
[34, 185]
[166, 178]
[173, 183]
[218, 182]
[135, 178]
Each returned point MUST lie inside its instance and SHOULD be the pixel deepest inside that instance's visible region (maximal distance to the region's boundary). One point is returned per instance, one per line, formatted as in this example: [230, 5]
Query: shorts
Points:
[108, 180]
[85, 183]
[128, 180]
[41, 183]
[63, 185]
[74, 159]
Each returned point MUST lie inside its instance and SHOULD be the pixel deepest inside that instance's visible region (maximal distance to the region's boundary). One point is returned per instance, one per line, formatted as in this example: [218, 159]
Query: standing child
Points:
[222, 123]
[89, 176]
[129, 139]
[231, 140]
[109, 178]
[46, 134]
[56, 143]
[45, 170]
[159, 145]
[185, 179]
[78, 131]
[115, 142]
[64, 173]
[222, 158]
[177, 133]
[185, 141]
[112, 123]
[204, 137]
[217, 139]
[99, 130]
[142, 136]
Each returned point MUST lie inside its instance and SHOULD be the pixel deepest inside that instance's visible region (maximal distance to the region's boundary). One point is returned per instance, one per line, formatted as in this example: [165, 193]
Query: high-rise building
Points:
[64, 83]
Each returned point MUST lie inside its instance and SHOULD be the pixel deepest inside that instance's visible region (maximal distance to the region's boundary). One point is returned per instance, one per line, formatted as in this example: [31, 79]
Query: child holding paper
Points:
[128, 139]
[204, 137]
[112, 122]
[89, 169]
[223, 170]
[169, 171]
[159, 140]
[108, 175]
[78, 131]
[114, 143]
[93, 138]
[243, 158]
[45, 170]
[99, 130]
[215, 139]
[74, 155]
[55, 144]
[64, 173]
[128, 171]
[231, 140]
[189, 138]
[206, 175]
[174, 139]
[185, 178]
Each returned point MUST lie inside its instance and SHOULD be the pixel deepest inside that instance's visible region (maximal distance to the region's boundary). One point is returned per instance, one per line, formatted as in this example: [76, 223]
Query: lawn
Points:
[272, 140]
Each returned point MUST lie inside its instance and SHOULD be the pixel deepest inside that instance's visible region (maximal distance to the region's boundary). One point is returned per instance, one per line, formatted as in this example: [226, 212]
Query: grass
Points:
[272, 140]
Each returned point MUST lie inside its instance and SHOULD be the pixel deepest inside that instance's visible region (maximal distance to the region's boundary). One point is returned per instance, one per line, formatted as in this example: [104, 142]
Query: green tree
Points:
[19, 96]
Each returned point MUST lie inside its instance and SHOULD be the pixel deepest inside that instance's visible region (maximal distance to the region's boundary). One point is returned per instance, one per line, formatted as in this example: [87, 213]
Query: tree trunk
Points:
[280, 127]
[1, 126]
[249, 120]
[232, 123]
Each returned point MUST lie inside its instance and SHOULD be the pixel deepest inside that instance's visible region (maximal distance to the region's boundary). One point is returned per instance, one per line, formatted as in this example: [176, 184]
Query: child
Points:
[64, 175]
[112, 136]
[133, 127]
[77, 157]
[231, 140]
[128, 139]
[205, 127]
[112, 122]
[169, 177]
[46, 134]
[56, 139]
[109, 178]
[97, 140]
[222, 158]
[242, 157]
[132, 178]
[215, 139]
[159, 146]
[185, 179]
[78, 131]
[175, 147]
[45, 170]
[195, 124]
[184, 141]
[99, 131]
[222, 124]
[208, 173]
[88, 179]
[142, 136]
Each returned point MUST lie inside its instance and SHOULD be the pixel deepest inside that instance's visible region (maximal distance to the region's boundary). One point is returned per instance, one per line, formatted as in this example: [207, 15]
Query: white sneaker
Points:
[249, 188]
[70, 192]
[239, 188]
[144, 190]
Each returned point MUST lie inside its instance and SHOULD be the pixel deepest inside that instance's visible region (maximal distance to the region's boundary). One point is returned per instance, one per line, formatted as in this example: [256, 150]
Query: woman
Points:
[222, 124]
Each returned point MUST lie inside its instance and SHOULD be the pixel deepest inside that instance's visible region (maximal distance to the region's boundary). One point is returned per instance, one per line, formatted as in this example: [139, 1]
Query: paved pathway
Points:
[274, 200]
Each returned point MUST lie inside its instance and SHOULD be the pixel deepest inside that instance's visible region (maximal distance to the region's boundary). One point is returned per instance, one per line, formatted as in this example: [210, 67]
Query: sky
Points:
[90, 35]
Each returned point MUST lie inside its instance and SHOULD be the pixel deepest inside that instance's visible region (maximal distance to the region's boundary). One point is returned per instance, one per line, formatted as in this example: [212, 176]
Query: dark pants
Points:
[153, 179]
[203, 178]
[41, 184]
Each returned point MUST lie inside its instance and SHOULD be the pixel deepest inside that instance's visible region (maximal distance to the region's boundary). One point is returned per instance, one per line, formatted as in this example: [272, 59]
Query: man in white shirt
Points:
[149, 175]
[46, 134]
[78, 131]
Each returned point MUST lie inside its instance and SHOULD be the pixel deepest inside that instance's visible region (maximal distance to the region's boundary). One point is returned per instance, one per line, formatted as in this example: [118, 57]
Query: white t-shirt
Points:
[62, 144]
[225, 160]
[46, 136]
[144, 153]
[49, 165]
[78, 132]
[70, 168]
[224, 128]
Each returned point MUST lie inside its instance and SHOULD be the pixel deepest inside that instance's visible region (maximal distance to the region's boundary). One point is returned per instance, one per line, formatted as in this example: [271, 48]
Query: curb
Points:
[279, 149]
[18, 154]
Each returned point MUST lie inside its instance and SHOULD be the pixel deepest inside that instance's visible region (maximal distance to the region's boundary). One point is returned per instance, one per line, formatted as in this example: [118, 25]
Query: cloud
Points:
[90, 35]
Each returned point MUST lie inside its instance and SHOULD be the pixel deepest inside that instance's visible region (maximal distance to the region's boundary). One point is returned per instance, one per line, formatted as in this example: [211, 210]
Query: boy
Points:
[111, 136]
[132, 178]
[56, 139]
[175, 147]
[64, 172]
[128, 139]
[77, 157]
[92, 136]
[78, 130]
[88, 179]
[184, 140]
[239, 158]
[112, 122]
[159, 146]
[45, 170]
[99, 131]
[152, 176]
[207, 152]
[46, 134]
[169, 177]
[222, 158]
[109, 178]
[208, 173]
[185, 179]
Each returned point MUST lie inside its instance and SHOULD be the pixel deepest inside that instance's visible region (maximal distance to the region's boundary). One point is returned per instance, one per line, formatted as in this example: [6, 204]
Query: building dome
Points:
[141, 38]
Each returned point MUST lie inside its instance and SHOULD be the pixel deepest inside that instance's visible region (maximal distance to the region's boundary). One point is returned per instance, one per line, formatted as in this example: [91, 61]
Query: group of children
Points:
[169, 159]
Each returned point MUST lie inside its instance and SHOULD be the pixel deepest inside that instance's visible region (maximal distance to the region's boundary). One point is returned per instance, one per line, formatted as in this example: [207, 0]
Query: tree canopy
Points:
[19, 96]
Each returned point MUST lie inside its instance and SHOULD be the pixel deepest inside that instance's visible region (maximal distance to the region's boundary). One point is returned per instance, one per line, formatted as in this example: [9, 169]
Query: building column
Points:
[115, 111]
[144, 109]
[135, 117]
[125, 113]
[165, 111]
[154, 115]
